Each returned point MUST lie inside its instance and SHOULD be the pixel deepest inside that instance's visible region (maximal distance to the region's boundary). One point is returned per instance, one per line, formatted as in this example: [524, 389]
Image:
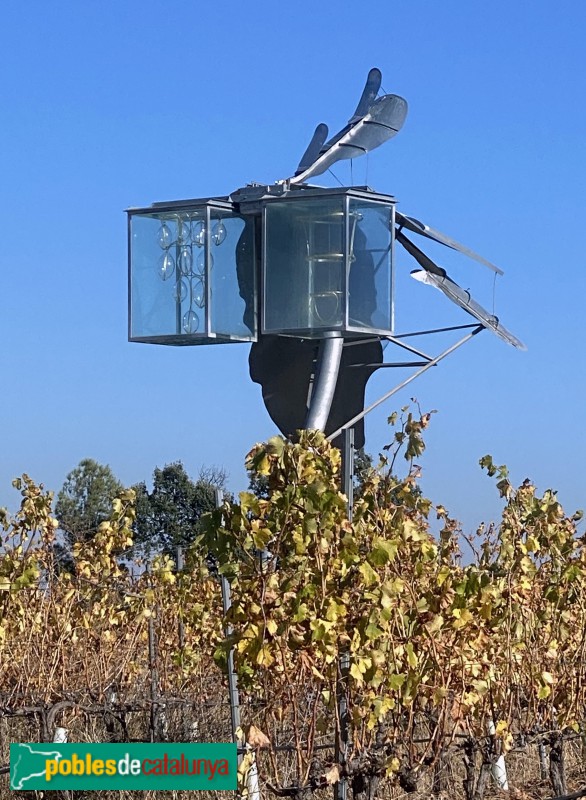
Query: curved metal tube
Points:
[326, 378]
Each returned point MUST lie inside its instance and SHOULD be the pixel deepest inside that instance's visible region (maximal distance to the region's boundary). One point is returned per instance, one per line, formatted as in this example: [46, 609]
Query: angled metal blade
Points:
[416, 226]
[419, 255]
[369, 94]
[384, 120]
[313, 148]
[436, 276]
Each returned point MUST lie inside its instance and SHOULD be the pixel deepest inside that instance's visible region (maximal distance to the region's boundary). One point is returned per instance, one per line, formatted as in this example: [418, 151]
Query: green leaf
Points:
[382, 552]
[412, 658]
[373, 631]
[301, 613]
[275, 446]
[396, 681]
[261, 538]
[369, 575]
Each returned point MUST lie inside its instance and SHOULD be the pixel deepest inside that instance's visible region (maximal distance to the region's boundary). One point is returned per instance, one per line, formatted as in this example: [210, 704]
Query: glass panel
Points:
[167, 274]
[232, 275]
[304, 265]
[369, 281]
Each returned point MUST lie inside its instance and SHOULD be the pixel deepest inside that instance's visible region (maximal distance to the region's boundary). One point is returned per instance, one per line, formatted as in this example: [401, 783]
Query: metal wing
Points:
[313, 148]
[416, 226]
[384, 120]
[436, 276]
[369, 94]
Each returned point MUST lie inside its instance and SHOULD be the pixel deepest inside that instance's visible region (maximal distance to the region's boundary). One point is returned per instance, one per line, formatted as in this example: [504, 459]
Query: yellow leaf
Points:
[443, 573]
[264, 657]
[411, 655]
[245, 765]
[368, 574]
[482, 687]
[263, 466]
[392, 765]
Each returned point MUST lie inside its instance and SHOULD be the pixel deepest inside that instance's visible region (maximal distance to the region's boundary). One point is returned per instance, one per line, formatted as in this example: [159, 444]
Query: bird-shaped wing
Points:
[373, 123]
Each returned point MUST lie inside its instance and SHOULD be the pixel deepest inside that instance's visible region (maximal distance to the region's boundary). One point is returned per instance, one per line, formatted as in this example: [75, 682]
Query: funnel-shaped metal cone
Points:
[284, 368]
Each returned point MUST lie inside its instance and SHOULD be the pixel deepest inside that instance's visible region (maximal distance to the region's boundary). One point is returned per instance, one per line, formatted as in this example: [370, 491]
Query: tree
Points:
[169, 516]
[85, 500]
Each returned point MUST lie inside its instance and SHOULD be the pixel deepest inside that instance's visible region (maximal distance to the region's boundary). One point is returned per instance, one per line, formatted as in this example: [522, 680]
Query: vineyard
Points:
[366, 650]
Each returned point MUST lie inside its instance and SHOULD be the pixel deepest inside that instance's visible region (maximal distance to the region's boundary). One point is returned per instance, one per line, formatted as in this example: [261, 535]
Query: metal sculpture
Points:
[305, 274]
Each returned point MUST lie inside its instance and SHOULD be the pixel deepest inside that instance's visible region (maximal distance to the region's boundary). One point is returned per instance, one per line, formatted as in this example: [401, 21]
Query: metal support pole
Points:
[341, 787]
[154, 716]
[252, 777]
[348, 469]
[232, 677]
[326, 378]
[179, 564]
[406, 382]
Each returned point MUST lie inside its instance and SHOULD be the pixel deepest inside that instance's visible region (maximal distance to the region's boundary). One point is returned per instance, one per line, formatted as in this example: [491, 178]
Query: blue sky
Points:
[109, 104]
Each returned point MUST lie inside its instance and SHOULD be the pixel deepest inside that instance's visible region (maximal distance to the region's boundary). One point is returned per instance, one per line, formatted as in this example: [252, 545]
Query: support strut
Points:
[326, 378]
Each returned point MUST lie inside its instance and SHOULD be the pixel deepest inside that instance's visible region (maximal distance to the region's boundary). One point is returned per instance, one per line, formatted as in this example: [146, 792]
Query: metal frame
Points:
[391, 204]
[207, 335]
[347, 263]
[207, 287]
[393, 264]
[299, 194]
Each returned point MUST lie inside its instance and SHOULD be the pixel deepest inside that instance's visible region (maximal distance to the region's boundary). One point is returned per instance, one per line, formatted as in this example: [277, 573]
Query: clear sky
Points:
[109, 104]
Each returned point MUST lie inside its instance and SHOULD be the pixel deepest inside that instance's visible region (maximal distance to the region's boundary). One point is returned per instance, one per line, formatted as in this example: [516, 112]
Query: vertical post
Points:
[179, 562]
[154, 720]
[348, 469]
[543, 771]
[325, 380]
[232, 678]
[498, 769]
[252, 776]
[154, 717]
[557, 764]
[341, 787]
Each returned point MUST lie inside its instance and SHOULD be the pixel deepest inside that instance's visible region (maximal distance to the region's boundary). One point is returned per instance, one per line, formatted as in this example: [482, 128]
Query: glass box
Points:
[192, 274]
[327, 263]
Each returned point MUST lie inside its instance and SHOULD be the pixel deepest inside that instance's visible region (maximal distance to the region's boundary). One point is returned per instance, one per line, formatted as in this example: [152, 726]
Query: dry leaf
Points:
[256, 738]
[333, 774]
